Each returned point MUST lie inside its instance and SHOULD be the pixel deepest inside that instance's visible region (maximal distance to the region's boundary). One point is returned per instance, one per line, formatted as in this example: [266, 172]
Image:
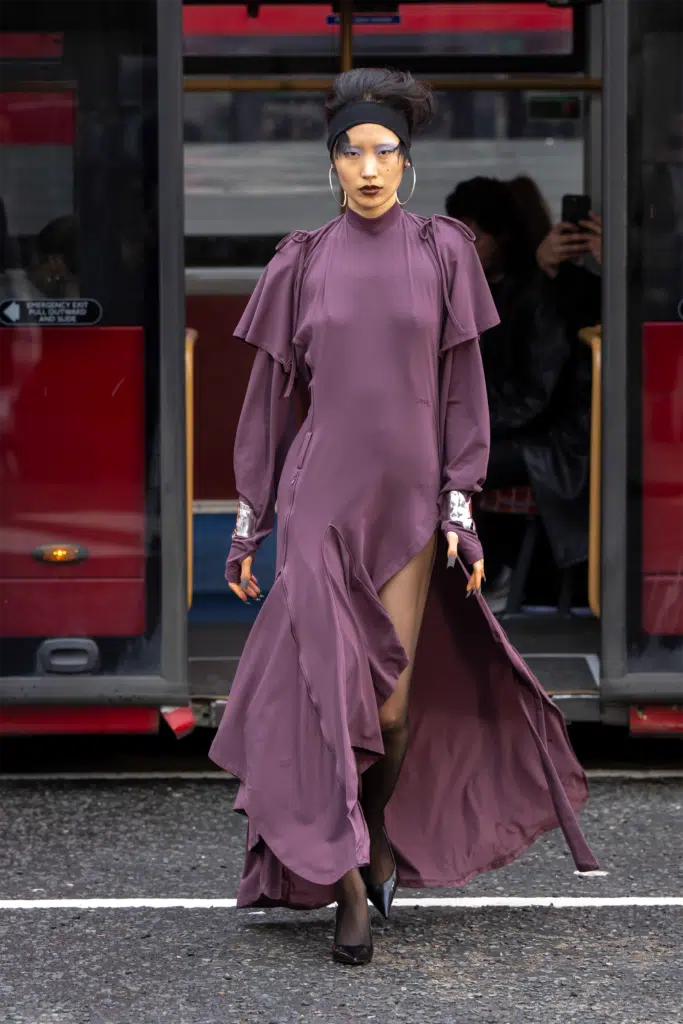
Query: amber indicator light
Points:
[59, 553]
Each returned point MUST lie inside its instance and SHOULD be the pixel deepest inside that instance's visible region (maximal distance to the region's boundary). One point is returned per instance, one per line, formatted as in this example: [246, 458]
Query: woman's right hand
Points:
[248, 585]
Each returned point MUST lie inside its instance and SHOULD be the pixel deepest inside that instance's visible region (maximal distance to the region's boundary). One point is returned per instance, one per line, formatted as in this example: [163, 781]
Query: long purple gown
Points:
[382, 317]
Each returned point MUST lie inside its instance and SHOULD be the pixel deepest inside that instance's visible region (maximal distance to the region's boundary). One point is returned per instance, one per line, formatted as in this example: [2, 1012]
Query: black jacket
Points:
[538, 377]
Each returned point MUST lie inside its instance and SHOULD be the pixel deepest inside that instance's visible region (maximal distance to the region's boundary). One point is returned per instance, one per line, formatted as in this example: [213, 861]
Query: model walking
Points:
[365, 630]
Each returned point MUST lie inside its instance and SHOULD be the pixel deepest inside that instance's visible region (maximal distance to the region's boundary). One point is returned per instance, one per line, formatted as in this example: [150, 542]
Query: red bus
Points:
[116, 492]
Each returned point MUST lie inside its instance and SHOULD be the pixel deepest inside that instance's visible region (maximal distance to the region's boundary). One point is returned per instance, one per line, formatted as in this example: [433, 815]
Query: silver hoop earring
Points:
[346, 198]
[405, 201]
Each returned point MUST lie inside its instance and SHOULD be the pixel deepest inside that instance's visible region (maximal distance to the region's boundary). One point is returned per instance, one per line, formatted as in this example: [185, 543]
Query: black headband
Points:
[368, 112]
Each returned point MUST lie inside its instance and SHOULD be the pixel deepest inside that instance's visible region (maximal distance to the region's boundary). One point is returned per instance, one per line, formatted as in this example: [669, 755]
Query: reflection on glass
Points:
[655, 494]
[414, 30]
[256, 166]
[79, 357]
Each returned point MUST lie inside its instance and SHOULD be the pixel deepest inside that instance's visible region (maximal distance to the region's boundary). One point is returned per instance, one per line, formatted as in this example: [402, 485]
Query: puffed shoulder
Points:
[294, 237]
[469, 305]
[269, 320]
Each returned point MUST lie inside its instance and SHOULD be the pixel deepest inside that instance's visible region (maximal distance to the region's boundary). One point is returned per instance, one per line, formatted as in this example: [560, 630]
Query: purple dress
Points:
[382, 318]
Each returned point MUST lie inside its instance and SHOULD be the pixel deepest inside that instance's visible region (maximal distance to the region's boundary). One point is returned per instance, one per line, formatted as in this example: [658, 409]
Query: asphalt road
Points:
[174, 839]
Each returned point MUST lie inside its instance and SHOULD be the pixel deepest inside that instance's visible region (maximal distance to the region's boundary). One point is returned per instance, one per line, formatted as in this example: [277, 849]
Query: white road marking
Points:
[456, 902]
[593, 775]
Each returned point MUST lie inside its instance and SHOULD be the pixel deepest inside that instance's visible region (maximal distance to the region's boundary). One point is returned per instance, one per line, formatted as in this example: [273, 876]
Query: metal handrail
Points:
[190, 340]
[593, 336]
[468, 83]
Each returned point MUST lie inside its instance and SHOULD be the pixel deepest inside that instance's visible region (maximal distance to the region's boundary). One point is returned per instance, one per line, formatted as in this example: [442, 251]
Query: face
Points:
[370, 168]
[485, 244]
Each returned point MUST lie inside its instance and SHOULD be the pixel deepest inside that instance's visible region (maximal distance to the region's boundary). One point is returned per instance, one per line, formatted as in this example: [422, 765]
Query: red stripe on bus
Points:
[50, 720]
[304, 19]
[31, 45]
[37, 118]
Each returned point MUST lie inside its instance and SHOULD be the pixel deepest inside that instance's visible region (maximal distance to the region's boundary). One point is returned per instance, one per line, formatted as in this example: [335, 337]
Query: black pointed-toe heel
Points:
[382, 895]
[352, 956]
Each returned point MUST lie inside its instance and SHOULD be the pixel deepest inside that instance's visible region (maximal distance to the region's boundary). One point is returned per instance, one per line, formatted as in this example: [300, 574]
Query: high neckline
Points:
[374, 225]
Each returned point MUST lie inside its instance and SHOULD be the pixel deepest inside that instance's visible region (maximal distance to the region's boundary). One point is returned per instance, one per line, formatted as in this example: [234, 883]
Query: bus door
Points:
[92, 440]
[514, 96]
[642, 486]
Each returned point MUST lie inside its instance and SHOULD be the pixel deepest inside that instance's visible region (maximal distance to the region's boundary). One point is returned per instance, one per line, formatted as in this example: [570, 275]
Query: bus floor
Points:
[562, 651]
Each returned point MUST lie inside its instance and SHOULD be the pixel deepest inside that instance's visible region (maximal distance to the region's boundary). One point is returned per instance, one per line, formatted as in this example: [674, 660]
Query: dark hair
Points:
[397, 89]
[489, 203]
[59, 238]
[532, 206]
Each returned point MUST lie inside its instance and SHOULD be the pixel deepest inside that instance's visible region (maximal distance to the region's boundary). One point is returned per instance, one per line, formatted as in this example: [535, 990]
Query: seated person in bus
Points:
[560, 248]
[538, 384]
[14, 283]
[54, 271]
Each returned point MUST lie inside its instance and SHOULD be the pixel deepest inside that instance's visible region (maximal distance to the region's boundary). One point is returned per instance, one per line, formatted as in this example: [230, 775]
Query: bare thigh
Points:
[404, 597]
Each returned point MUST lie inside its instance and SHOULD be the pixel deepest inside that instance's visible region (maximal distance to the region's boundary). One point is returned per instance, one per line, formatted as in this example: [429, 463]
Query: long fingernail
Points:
[450, 564]
[469, 593]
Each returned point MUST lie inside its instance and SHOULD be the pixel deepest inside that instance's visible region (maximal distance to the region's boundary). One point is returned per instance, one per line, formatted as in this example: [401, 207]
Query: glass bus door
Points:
[642, 583]
[513, 97]
[92, 441]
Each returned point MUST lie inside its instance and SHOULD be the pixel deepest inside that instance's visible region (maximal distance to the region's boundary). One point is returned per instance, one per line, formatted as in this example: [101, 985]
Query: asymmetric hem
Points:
[380, 318]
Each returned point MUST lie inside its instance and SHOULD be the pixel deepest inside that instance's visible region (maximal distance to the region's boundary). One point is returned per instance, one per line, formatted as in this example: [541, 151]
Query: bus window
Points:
[655, 340]
[420, 33]
[256, 165]
[79, 348]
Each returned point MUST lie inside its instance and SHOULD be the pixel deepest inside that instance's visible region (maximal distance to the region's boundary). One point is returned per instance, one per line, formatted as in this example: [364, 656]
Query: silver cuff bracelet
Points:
[246, 521]
[459, 510]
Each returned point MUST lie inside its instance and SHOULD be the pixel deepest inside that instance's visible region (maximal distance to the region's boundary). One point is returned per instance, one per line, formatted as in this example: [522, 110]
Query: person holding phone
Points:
[537, 378]
[560, 251]
[578, 233]
[560, 255]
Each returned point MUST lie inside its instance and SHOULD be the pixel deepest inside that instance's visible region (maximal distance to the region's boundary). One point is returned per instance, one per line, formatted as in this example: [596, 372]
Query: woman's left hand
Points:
[475, 580]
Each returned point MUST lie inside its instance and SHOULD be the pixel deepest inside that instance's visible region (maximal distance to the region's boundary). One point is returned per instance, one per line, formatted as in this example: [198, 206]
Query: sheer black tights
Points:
[403, 597]
[379, 782]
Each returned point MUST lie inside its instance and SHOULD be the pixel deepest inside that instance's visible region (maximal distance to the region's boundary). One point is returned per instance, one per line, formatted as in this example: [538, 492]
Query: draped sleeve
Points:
[270, 318]
[466, 437]
[469, 309]
[267, 424]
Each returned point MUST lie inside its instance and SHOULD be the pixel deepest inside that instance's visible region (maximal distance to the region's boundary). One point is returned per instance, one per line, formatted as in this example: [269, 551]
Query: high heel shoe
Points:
[352, 956]
[382, 895]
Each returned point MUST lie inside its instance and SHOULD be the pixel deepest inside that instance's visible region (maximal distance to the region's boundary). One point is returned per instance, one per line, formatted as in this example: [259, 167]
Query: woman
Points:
[537, 378]
[378, 312]
[575, 289]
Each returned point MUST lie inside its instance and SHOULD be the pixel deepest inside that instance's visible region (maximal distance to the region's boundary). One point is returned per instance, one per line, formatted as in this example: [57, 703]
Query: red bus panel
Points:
[662, 593]
[72, 472]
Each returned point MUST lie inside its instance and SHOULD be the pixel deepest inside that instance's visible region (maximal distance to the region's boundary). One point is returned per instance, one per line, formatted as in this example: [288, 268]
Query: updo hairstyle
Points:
[396, 89]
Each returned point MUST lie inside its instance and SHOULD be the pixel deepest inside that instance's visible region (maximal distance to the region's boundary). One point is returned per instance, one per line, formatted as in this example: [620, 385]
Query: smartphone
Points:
[575, 208]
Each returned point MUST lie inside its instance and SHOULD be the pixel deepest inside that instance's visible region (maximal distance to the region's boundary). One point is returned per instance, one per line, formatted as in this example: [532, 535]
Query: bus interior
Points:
[518, 88]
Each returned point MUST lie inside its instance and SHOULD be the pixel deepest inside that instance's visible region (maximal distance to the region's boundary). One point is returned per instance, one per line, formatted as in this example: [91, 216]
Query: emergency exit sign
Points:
[368, 19]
